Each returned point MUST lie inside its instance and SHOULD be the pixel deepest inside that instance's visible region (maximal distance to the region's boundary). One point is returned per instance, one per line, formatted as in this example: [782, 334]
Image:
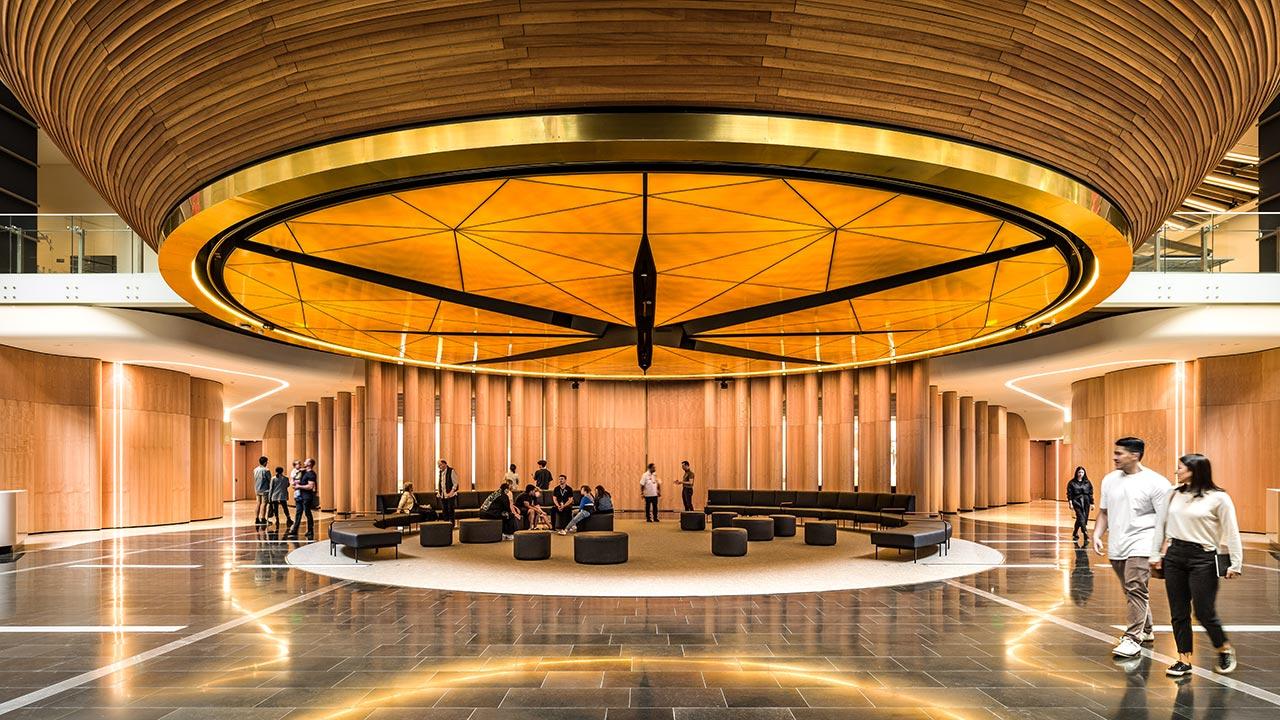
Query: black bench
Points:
[879, 509]
[360, 534]
[913, 536]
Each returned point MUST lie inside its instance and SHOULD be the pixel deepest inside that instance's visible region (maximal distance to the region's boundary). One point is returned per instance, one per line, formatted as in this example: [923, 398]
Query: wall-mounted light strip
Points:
[1065, 409]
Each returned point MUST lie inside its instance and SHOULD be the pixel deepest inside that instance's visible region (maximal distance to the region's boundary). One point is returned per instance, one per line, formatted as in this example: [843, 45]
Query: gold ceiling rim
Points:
[576, 142]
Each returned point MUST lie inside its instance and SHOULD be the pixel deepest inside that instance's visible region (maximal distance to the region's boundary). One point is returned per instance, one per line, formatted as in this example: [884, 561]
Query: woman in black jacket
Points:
[1080, 496]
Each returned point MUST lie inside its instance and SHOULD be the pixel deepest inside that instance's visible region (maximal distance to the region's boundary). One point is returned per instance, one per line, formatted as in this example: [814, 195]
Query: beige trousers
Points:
[1135, 575]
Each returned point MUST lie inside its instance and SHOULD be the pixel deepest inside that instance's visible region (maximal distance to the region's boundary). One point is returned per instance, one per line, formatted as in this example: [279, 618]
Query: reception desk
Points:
[1273, 518]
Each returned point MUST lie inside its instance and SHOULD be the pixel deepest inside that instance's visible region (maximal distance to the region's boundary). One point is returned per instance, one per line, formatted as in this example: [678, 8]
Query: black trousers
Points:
[686, 496]
[1191, 579]
[560, 518]
[1082, 522]
[650, 508]
[447, 507]
[303, 506]
[277, 507]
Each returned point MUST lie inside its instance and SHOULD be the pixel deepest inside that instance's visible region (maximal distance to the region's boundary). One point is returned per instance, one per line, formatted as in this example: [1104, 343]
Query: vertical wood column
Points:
[526, 424]
[950, 452]
[766, 449]
[1018, 452]
[297, 437]
[967, 457]
[997, 456]
[933, 499]
[491, 431]
[313, 431]
[802, 431]
[562, 422]
[360, 499]
[382, 385]
[419, 415]
[328, 469]
[731, 432]
[455, 429]
[873, 429]
[710, 469]
[207, 450]
[342, 452]
[912, 384]
[275, 444]
[981, 481]
[837, 430]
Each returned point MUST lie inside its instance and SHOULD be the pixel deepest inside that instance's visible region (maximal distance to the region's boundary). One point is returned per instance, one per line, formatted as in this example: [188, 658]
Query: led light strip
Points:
[281, 384]
[1065, 409]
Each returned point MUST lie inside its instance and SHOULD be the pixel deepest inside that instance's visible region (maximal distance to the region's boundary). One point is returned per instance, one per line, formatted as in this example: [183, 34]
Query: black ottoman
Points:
[691, 520]
[596, 522]
[600, 548]
[532, 545]
[438, 533]
[819, 532]
[722, 519]
[758, 528]
[479, 530]
[729, 542]
[784, 525]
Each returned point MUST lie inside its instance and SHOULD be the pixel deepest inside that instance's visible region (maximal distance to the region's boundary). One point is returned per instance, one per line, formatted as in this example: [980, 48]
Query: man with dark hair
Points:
[446, 490]
[262, 488]
[542, 476]
[1133, 496]
[686, 485]
[562, 499]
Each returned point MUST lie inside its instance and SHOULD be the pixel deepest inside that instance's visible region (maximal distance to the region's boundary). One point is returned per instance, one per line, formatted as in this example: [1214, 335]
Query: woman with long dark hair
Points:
[1200, 521]
[1080, 497]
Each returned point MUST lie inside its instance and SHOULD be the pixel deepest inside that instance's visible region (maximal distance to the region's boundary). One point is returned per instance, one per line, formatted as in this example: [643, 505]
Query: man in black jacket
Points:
[542, 476]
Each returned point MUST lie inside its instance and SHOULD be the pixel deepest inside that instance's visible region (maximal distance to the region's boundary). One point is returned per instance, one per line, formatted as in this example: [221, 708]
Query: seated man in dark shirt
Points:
[529, 505]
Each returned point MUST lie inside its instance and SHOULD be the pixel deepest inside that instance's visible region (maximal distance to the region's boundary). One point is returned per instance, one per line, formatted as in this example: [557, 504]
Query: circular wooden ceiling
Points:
[659, 245]
[154, 100]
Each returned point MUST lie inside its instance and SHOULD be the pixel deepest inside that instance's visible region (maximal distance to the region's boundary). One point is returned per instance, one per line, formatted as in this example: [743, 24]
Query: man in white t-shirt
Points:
[651, 489]
[1133, 496]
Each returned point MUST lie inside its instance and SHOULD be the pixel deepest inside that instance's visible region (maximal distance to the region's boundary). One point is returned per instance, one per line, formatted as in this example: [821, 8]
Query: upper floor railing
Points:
[103, 243]
[1205, 242]
[85, 243]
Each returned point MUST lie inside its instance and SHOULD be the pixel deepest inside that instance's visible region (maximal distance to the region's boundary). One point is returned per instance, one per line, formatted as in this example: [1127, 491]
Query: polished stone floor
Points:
[210, 623]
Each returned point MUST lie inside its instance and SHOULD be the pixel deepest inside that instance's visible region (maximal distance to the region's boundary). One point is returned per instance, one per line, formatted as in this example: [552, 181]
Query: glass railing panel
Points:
[1204, 242]
[88, 243]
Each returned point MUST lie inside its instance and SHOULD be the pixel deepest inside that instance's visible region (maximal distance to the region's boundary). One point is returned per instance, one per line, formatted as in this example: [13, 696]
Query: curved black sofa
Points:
[881, 509]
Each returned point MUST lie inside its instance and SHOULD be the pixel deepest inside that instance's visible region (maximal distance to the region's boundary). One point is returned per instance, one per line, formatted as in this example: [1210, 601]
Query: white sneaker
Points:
[1148, 637]
[561, 532]
[1127, 648]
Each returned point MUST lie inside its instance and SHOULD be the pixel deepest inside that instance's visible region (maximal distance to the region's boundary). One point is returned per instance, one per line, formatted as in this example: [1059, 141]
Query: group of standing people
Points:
[1185, 533]
[273, 491]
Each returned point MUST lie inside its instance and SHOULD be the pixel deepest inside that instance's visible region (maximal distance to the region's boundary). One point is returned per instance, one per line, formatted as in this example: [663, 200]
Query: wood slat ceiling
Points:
[153, 99]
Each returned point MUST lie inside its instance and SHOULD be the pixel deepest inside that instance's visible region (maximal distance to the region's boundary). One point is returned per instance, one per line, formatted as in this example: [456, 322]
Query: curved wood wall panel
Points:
[146, 478]
[1019, 464]
[152, 100]
[1088, 440]
[206, 456]
[1239, 419]
[50, 412]
[275, 443]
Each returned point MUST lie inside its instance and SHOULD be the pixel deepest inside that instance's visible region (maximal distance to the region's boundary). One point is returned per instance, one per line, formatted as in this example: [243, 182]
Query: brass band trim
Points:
[573, 140]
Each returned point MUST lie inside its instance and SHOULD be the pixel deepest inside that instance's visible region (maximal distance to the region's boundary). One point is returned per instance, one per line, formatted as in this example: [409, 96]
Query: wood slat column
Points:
[491, 432]
[382, 384]
[325, 466]
[297, 437]
[342, 452]
[766, 432]
[873, 429]
[981, 481]
[967, 457]
[526, 424]
[562, 423]
[312, 437]
[207, 449]
[950, 452]
[1019, 460]
[912, 390]
[997, 456]
[360, 499]
[455, 429]
[837, 430]
[934, 498]
[275, 443]
[732, 407]
[419, 387]
[801, 393]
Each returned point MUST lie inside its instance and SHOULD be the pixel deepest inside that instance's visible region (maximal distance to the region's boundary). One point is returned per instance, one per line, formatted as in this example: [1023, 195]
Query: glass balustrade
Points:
[89, 243]
[1206, 242]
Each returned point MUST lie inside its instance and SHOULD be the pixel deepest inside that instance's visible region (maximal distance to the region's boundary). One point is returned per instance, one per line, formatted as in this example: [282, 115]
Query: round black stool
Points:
[819, 532]
[758, 528]
[436, 533]
[722, 519]
[600, 548]
[784, 525]
[693, 520]
[729, 541]
[532, 545]
[479, 530]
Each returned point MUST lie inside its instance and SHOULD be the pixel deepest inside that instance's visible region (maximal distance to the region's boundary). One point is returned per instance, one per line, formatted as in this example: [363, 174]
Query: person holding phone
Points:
[1200, 520]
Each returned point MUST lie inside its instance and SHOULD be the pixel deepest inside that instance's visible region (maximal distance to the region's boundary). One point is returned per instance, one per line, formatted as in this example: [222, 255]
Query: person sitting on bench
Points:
[498, 507]
[529, 504]
[409, 505]
[604, 501]
[586, 506]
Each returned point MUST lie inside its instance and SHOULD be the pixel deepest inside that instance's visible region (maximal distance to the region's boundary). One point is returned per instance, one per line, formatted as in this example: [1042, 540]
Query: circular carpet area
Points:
[664, 562]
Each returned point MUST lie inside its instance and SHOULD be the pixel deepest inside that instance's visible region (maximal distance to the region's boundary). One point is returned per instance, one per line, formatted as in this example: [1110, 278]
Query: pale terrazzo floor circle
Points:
[664, 562]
